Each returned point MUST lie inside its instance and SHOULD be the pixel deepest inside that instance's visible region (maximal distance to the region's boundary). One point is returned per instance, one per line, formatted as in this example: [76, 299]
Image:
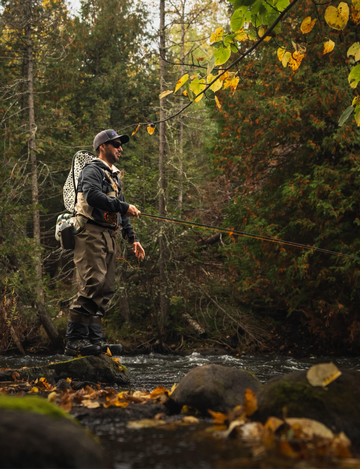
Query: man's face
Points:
[112, 154]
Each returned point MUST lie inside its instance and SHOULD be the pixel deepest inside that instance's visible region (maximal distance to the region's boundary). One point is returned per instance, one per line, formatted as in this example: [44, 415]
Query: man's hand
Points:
[132, 211]
[138, 250]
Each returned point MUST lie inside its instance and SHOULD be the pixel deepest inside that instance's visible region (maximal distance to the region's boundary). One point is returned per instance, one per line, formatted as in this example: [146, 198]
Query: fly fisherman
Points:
[101, 209]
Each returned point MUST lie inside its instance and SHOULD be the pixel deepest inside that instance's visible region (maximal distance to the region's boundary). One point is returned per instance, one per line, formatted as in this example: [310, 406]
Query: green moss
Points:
[33, 404]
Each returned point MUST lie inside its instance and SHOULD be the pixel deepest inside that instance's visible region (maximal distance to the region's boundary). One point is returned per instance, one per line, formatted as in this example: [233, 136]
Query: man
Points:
[100, 209]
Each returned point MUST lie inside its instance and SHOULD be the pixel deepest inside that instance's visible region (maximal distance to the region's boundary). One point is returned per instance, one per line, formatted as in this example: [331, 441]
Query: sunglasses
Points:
[114, 144]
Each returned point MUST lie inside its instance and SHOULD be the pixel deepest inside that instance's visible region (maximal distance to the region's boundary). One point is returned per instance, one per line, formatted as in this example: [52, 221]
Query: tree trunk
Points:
[181, 129]
[162, 211]
[43, 315]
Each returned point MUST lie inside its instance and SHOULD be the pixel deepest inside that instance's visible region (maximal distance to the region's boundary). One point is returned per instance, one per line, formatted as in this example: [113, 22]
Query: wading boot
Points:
[96, 337]
[77, 341]
[83, 347]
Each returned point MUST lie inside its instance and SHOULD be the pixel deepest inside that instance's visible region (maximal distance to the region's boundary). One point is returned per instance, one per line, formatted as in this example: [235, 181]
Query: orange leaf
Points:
[151, 129]
[137, 128]
[250, 402]
[219, 417]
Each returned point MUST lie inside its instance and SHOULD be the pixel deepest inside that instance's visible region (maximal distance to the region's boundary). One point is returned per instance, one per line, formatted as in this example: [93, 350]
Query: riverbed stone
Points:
[337, 405]
[36, 434]
[215, 387]
[91, 369]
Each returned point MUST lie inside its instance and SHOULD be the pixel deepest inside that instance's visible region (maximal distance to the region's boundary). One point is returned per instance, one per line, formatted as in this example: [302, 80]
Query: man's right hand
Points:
[132, 211]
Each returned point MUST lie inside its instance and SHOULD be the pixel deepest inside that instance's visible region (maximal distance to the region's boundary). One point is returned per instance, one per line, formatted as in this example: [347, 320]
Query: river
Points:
[174, 446]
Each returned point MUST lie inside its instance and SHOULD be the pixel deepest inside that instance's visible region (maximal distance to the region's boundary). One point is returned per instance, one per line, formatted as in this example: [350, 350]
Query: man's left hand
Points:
[138, 250]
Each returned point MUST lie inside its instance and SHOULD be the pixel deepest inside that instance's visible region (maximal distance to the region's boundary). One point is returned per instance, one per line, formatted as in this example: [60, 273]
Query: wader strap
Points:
[109, 241]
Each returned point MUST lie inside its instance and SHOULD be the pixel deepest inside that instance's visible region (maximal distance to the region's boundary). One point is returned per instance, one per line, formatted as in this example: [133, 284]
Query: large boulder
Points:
[337, 405]
[36, 434]
[95, 369]
[215, 387]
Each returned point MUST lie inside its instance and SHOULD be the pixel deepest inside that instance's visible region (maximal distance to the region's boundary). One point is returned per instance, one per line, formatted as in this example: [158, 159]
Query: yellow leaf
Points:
[217, 35]
[234, 83]
[90, 404]
[68, 380]
[197, 86]
[145, 423]
[337, 18]
[357, 119]
[286, 58]
[273, 423]
[217, 103]
[185, 93]
[250, 402]
[241, 35]
[356, 101]
[322, 374]
[151, 129]
[137, 128]
[295, 60]
[355, 12]
[165, 93]
[181, 82]
[354, 50]
[108, 352]
[307, 25]
[51, 397]
[280, 53]
[34, 389]
[158, 391]
[262, 31]
[215, 86]
[310, 428]
[328, 46]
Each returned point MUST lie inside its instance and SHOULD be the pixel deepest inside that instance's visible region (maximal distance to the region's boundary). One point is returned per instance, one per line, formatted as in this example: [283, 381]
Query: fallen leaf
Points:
[310, 428]
[218, 417]
[328, 46]
[250, 402]
[90, 404]
[15, 376]
[322, 374]
[190, 419]
[145, 423]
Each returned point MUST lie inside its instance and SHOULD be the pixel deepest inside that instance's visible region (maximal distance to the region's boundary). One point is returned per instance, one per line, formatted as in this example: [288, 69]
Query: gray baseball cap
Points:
[107, 135]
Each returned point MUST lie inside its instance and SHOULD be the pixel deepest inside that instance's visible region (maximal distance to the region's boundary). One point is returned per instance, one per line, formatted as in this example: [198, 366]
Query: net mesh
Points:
[81, 158]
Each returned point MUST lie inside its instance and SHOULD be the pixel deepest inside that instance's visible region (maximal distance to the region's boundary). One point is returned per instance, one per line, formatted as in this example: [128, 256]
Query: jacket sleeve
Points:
[127, 229]
[92, 179]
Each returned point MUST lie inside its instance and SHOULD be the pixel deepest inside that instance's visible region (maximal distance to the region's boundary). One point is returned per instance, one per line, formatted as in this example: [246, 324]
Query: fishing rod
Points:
[248, 235]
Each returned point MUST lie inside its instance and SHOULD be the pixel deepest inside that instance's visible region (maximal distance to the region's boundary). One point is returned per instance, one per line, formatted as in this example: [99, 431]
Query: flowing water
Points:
[173, 445]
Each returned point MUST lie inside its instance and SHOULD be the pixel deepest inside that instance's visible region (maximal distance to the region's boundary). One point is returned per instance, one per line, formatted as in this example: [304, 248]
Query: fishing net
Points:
[80, 159]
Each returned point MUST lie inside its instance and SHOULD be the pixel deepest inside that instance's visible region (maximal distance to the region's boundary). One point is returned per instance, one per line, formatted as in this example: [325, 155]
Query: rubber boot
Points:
[77, 337]
[96, 337]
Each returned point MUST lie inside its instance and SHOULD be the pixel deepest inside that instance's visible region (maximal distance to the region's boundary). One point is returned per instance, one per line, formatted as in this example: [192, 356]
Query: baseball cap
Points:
[106, 135]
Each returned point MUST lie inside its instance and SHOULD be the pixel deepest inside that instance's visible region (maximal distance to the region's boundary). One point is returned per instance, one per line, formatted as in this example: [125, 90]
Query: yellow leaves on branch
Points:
[241, 35]
[307, 25]
[217, 35]
[354, 50]
[292, 60]
[355, 11]
[181, 82]
[215, 86]
[262, 32]
[337, 17]
[197, 86]
[328, 46]
[165, 93]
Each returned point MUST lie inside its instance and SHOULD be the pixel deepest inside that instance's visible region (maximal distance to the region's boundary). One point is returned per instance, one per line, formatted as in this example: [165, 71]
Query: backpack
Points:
[66, 226]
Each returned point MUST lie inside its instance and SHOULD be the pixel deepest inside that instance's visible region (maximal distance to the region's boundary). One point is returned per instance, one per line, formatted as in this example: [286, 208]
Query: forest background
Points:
[266, 156]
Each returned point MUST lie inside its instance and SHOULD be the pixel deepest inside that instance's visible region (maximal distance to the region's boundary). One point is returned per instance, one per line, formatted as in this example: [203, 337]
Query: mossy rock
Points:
[95, 369]
[36, 434]
[215, 387]
[336, 405]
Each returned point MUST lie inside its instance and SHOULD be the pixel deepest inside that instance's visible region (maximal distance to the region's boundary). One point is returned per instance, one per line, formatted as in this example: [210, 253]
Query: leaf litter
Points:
[299, 439]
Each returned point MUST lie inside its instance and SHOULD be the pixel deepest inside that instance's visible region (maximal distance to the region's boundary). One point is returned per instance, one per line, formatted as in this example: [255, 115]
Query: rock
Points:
[94, 369]
[36, 434]
[215, 387]
[337, 405]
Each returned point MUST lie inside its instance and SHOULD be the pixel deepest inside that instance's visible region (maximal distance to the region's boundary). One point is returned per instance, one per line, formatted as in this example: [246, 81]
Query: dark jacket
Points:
[100, 200]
